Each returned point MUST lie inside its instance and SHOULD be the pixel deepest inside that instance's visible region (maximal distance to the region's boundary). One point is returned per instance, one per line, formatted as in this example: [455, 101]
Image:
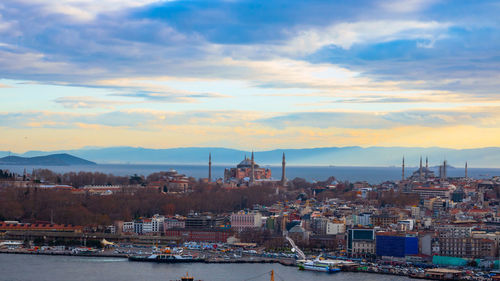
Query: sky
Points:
[249, 74]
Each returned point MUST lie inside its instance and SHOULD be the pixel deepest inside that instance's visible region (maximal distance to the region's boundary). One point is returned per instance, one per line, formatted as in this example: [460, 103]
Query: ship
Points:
[186, 278]
[319, 265]
[84, 251]
[166, 256]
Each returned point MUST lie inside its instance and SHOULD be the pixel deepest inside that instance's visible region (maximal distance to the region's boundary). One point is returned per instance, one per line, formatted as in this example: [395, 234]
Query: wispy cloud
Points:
[88, 102]
[345, 35]
[143, 119]
[150, 119]
[481, 117]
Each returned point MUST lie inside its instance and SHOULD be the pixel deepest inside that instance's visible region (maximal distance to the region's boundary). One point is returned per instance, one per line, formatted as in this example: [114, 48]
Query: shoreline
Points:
[125, 256]
[207, 261]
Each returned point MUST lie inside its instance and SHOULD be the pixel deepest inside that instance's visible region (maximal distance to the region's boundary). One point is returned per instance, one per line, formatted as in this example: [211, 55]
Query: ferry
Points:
[84, 251]
[186, 278]
[166, 256]
[319, 265]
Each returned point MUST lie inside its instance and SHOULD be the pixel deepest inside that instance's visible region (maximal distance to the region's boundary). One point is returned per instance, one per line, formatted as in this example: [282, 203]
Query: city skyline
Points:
[248, 75]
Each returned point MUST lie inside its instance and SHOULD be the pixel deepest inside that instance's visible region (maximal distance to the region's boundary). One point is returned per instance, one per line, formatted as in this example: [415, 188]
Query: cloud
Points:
[139, 119]
[377, 40]
[146, 119]
[345, 35]
[87, 102]
[171, 97]
[80, 10]
[45, 130]
[480, 117]
[406, 6]
[442, 62]
[351, 60]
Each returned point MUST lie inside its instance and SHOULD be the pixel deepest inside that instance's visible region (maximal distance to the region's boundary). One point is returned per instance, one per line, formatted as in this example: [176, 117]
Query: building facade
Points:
[360, 242]
[396, 245]
[242, 221]
[247, 169]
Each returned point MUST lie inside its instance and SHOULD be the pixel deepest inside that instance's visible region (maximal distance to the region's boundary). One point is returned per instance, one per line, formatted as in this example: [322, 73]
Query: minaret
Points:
[283, 176]
[209, 167]
[252, 176]
[403, 170]
[420, 170]
[466, 169]
[444, 170]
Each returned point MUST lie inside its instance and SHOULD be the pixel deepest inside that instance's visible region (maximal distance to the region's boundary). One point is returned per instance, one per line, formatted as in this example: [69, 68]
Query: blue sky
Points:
[249, 74]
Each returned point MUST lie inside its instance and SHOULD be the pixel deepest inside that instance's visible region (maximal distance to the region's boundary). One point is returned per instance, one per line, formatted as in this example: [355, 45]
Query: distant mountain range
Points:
[62, 159]
[336, 156]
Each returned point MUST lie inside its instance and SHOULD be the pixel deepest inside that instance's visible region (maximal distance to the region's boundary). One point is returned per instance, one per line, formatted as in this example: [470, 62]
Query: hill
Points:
[62, 159]
[337, 156]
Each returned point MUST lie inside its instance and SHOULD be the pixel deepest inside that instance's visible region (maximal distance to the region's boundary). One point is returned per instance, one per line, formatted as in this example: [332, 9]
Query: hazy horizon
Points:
[242, 149]
[352, 156]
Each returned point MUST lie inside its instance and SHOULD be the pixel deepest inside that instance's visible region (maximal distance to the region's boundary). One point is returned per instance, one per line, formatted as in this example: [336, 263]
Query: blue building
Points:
[396, 245]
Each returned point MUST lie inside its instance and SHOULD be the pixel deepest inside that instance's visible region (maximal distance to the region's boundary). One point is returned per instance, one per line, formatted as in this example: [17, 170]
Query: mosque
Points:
[247, 169]
[247, 172]
[423, 172]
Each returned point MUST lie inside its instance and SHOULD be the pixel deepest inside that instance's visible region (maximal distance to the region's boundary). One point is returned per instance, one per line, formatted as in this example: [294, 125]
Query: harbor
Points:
[79, 268]
[319, 267]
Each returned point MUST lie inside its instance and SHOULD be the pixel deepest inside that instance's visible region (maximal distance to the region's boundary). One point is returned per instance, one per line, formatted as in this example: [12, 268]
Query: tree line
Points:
[33, 204]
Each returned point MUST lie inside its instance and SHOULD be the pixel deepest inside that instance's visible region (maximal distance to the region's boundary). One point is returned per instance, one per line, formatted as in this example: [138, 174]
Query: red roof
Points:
[38, 227]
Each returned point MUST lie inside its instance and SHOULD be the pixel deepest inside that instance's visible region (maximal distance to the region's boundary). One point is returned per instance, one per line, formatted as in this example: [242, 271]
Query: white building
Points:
[147, 226]
[415, 212]
[246, 220]
[173, 223]
[333, 228]
[406, 225]
[153, 225]
[128, 226]
[138, 227]
[157, 223]
[362, 248]
[454, 231]
[364, 219]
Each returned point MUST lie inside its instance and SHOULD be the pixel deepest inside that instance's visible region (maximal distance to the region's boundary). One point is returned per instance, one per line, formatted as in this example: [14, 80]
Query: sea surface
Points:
[65, 268]
[373, 175]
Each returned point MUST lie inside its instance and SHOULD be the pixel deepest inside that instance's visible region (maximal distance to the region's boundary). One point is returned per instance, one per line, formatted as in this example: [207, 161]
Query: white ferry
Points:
[319, 265]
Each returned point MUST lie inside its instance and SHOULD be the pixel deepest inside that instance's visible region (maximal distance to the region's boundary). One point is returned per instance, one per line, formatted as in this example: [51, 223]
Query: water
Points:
[372, 175]
[63, 268]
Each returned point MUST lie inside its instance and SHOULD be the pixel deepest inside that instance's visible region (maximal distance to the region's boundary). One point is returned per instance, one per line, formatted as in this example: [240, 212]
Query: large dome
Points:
[247, 163]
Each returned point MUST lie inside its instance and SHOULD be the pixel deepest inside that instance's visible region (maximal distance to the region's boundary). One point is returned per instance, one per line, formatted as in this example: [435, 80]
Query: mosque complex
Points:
[248, 173]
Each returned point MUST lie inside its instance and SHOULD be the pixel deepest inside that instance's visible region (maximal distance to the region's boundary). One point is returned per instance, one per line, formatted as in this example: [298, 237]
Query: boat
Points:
[318, 265]
[186, 278]
[165, 256]
[84, 251]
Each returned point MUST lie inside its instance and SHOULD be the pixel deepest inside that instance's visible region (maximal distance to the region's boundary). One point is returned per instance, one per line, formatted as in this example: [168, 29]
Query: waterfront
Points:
[373, 175]
[63, 268]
